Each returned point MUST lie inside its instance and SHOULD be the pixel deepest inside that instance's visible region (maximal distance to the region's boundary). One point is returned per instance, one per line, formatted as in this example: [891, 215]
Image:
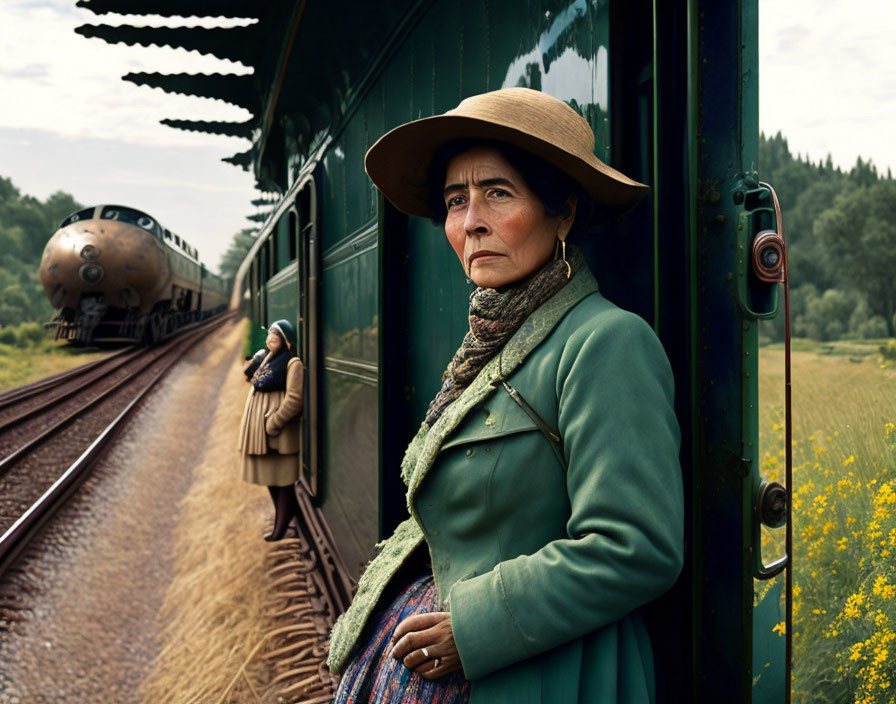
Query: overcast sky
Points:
[68, 122]
[827, 77]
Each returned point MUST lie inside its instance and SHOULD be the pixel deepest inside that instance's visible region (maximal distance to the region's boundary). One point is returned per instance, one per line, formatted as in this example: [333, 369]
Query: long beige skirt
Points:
[269, 468]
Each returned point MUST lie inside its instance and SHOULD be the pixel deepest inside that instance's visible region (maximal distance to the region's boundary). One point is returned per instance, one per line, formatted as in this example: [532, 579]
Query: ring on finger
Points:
[436, 663]
[425, 653]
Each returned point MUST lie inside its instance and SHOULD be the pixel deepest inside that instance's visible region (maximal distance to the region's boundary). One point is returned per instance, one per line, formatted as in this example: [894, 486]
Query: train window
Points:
[86, 214]
[293, 234]
[146, 222]
[132, 216]
[168, 234]
[177, 240]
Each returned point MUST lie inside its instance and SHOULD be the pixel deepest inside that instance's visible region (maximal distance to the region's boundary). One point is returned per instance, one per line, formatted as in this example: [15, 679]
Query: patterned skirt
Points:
[373, 677]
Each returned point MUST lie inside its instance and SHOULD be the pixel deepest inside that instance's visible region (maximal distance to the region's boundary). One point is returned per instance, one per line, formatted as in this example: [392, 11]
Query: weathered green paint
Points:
[283, 250]
[349, 389]
[283, 294]
[758, 300]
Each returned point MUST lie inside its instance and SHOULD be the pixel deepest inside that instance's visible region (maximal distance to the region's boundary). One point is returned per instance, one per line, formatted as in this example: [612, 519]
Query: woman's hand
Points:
[269, 428]
[433, 632]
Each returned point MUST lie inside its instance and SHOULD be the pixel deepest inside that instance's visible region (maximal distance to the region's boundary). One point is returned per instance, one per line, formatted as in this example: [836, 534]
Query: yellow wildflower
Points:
[780, 629]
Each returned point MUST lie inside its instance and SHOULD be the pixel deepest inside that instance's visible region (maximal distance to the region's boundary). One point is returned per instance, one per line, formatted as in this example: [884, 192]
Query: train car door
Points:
[741, 630]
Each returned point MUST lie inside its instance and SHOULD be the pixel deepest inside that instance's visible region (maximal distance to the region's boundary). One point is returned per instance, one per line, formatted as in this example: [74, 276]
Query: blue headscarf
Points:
[270, 374]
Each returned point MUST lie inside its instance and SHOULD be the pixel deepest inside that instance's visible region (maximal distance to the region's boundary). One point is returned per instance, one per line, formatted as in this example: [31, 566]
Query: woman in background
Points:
[269, 431]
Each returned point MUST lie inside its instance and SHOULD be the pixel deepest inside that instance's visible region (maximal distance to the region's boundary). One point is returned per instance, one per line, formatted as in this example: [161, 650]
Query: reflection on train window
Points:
[86, 214]
[132, 216]
[146, 222]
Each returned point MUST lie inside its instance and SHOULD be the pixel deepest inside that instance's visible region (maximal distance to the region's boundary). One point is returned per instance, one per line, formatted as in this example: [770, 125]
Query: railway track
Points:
[51, 432]
[21, 394]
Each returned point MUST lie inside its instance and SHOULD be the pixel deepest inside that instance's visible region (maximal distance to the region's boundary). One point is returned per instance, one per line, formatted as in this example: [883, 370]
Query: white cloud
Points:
[68, 122]
[827, 80]
[59, 81]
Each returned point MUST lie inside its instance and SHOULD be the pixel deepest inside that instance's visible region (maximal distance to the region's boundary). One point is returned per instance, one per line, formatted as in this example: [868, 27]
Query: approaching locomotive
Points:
[114, 273]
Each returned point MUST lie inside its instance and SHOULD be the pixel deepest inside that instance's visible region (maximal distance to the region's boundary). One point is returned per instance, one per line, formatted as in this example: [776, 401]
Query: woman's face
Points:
[273, 342]
[496, 225]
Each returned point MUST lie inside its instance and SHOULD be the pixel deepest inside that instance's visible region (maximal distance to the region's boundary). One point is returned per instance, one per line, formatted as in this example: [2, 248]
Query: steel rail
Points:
[17, 454]
[28, 525]
[20, 393]
[86, 380]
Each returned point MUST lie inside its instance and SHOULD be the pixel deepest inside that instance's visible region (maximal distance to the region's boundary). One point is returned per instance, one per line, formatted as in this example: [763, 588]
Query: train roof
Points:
[133, 216]
[281, 85]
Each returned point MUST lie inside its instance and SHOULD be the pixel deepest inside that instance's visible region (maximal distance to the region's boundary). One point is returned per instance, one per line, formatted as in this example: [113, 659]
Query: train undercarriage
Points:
[97, 323]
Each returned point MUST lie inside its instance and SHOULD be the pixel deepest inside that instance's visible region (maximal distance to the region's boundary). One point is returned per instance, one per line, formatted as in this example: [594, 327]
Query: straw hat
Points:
[531, 120]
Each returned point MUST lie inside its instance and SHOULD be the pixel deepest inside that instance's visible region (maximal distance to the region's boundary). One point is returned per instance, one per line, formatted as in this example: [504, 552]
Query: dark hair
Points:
[552, 186]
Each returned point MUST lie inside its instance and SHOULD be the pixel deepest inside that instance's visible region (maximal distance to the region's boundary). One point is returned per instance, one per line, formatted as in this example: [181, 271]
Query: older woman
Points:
[544, 485]
[269, 431]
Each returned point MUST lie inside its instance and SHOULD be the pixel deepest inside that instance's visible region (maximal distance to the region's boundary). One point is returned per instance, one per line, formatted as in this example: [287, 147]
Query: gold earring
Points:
[563, 256]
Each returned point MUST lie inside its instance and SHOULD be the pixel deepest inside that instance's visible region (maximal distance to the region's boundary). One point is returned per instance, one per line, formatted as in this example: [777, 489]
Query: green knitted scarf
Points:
[494, 317]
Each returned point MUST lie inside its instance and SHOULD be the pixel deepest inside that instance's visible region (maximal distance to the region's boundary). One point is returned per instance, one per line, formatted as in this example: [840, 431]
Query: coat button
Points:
[470, 452]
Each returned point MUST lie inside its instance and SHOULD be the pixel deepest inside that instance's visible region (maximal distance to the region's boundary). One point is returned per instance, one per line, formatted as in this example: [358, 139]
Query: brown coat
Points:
[270, 431]
[282, 424]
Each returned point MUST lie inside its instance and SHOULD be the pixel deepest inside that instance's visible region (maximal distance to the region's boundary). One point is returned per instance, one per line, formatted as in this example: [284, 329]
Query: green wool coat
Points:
[544, 568]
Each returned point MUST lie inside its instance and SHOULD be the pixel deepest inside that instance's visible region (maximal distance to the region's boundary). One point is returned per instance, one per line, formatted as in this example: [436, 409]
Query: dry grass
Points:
[240, 622]
[848, 394]
[213, 620]
[844, 447]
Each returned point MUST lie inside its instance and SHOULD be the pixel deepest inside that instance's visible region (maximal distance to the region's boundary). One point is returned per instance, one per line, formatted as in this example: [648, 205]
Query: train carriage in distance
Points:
[115, 274]
[670, 90]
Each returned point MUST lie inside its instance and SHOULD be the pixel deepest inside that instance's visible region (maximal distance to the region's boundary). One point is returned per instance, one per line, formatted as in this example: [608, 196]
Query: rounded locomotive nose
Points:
[91, 273]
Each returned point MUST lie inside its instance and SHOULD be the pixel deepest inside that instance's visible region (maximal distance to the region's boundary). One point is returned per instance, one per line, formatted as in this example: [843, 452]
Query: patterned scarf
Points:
[271, 373]
[494, 317]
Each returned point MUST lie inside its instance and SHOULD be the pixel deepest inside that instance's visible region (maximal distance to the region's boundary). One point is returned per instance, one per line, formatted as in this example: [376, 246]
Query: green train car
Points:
[671, 91]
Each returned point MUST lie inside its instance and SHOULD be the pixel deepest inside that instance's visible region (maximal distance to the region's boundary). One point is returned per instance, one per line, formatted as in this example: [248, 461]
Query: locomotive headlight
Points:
[89, 252]
[91, 273]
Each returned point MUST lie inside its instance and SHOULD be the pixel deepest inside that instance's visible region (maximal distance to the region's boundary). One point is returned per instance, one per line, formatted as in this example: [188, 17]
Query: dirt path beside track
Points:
[79, 617]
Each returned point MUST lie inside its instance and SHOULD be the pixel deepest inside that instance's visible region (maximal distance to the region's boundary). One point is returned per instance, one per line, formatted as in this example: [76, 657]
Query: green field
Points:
[21, 365]
[844, 503]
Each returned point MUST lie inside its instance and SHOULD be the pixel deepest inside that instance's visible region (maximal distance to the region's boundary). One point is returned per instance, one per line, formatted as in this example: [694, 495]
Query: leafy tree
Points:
[26, 224]
[836, 241]
[239, 248]
[859, 231]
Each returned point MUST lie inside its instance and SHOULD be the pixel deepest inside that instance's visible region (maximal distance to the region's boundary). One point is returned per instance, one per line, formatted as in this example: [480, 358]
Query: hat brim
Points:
[398, 162]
